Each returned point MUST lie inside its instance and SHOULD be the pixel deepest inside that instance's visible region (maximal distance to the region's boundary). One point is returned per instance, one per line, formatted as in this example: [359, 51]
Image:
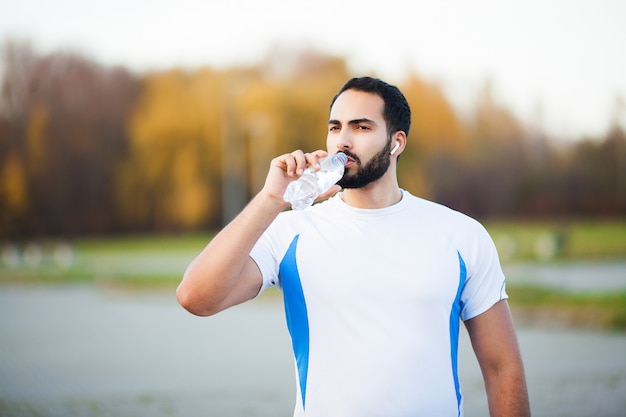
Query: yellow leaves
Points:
[435, 130]
[493, 122]
[435, 126]
[14, 171]
[13, 183]
[185, 149]
[193, 132]
[174, 104]
[175, 139]
[189, 201]
[35, 137]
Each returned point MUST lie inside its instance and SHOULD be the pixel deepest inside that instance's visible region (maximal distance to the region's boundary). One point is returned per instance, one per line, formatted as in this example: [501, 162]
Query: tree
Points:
[170, 178]
[436, 140]
[483, 176]
[65, 118]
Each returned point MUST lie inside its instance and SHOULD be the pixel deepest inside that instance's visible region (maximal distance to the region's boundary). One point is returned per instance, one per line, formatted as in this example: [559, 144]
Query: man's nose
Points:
[344, 139]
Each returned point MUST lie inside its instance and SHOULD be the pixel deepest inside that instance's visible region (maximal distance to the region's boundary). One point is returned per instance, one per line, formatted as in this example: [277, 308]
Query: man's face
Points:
[357, 128]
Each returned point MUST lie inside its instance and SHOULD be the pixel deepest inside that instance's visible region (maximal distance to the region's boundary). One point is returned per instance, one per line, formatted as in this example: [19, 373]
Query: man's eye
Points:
[363, 127]
[333, 128]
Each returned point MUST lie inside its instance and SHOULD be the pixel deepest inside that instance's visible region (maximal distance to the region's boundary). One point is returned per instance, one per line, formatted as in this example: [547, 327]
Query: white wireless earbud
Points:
[395, 148]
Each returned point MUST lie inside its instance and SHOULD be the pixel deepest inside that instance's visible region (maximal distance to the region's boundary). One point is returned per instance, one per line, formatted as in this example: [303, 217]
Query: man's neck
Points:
[379, 194]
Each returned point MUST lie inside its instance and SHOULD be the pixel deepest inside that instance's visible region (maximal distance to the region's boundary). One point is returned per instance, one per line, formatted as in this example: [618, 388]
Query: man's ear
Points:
[400, 138]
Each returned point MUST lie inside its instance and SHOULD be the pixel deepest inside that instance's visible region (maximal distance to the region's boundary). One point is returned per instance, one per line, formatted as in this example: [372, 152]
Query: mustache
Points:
[351, 155]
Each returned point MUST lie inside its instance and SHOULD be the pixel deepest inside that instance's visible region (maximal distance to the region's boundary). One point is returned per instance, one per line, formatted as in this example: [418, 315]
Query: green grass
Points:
[143, 244]
[559, 240]
[133, 260]
[148, 262]
[145, 259]
[541, 305]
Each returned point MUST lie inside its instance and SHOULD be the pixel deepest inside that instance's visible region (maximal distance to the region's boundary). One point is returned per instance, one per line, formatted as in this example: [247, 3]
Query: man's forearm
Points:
[507, 394]
[495, 344]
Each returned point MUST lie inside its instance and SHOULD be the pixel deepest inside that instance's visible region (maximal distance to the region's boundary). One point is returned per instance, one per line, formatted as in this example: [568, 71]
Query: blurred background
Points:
[162, 117]
[131, 131]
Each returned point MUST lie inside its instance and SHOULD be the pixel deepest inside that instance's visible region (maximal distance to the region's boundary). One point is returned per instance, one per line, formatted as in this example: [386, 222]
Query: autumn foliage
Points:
[89, 149]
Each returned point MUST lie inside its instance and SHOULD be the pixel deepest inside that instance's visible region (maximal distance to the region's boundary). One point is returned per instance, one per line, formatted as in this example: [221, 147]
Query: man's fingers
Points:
[313, 158]
[331, 192]
[297, 161]
[292, 162]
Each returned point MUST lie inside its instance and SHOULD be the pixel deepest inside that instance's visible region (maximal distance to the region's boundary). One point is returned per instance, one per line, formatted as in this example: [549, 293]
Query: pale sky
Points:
[564, 60]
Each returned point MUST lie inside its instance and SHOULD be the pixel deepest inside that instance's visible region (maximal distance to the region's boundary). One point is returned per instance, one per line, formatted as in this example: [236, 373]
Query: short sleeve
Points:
[485, 282]
[265, 259]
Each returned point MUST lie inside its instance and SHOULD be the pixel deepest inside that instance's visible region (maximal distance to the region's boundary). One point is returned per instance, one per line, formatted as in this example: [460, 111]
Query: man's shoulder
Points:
[440, 213]
[423, 204]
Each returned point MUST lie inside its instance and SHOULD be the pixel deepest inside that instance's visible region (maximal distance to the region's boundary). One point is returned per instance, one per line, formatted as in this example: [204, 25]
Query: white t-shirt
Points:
[373, 300]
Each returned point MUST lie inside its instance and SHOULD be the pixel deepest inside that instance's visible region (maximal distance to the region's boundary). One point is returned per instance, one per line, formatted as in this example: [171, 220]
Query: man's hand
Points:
[289, 167]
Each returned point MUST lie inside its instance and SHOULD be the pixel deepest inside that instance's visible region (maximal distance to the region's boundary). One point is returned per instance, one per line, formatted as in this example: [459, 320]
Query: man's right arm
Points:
[224, 274]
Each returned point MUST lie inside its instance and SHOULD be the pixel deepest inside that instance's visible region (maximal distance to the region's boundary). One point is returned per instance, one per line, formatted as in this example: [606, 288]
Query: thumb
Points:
[331, 191]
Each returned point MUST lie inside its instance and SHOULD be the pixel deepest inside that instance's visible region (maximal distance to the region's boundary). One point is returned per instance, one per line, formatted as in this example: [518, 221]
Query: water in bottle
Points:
[302, 192]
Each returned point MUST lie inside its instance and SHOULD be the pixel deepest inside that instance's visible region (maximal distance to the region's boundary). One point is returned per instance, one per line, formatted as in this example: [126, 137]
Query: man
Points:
[375, 280]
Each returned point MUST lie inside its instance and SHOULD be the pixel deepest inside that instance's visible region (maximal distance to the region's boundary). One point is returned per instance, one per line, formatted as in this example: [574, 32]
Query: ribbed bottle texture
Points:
[302, 192]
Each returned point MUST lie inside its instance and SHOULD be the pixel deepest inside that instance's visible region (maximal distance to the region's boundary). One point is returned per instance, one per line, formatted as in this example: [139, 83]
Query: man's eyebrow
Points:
[352, 122]
[361, 120]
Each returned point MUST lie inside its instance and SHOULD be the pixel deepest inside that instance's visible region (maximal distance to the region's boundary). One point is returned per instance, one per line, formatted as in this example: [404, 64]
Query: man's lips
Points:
[351, 160]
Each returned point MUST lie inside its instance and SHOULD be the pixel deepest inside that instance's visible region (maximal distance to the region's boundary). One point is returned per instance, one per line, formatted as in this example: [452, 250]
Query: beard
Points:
[366, 174]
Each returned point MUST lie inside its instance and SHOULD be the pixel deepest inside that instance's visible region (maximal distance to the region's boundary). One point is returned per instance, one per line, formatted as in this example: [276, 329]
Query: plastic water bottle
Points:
[302, 192]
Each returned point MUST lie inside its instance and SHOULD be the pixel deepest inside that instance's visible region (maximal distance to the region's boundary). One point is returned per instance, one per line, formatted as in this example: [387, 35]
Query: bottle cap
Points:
[342, 156]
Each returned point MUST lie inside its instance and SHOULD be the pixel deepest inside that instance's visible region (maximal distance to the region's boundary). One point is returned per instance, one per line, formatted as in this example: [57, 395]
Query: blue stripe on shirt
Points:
[296, 313]
[455, 318]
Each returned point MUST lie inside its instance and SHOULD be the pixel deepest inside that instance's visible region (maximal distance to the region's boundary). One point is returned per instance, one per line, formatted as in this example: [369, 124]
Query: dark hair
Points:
[396, 112]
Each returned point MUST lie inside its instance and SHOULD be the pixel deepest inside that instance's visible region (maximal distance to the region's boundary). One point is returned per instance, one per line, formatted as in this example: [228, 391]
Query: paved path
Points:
[86, 352]
[570, 276]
